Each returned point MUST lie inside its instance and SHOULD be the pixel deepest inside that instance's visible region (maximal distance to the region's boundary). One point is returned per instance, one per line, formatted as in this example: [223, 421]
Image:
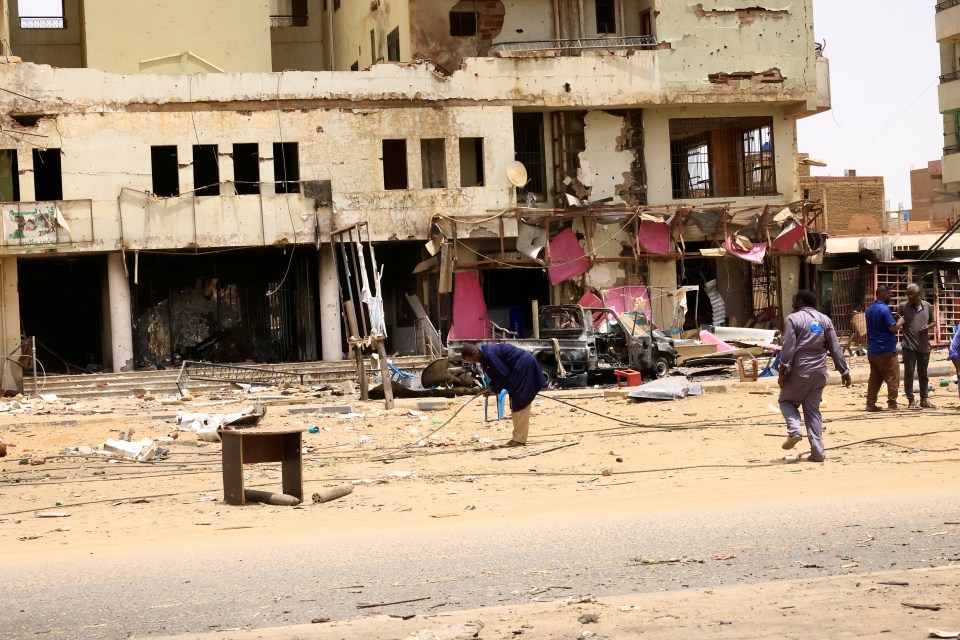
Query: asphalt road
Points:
[291, 577]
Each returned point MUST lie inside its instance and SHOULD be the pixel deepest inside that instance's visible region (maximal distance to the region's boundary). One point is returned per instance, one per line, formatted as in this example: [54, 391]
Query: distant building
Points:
[931, 202]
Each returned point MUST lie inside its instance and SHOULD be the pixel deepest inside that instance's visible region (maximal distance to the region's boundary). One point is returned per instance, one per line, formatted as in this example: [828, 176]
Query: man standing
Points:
[808, 336]
[882, 350]
[954, 354]
[918, 319]
[515, 370]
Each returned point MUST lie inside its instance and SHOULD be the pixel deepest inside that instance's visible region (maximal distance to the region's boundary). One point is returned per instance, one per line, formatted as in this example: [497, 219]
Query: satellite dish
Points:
[517, 174]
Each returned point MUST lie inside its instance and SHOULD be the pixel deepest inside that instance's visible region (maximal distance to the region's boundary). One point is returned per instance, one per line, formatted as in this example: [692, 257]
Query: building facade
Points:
[172, 197]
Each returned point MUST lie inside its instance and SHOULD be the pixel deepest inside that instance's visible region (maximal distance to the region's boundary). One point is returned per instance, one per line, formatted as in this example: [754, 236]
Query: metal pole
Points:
[36, 387]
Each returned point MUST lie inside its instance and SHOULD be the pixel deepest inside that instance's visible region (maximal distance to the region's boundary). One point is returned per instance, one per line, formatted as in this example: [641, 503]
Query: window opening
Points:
[286, 167]
[393, 45]
[355, 66]
[336, 5]
[166, 172]
[289, 13]
[463, 23]
[394, 164]
[47, 176]
[433, 158]
[373, 46]
[206, 170]
[9, 176]
[528, 149]
[606, 16]
[45, 14]
[471, 162]
[246, 169]
[722, 157]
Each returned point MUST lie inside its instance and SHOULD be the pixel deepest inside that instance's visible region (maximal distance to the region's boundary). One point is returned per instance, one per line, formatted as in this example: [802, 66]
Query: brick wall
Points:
[854, 206]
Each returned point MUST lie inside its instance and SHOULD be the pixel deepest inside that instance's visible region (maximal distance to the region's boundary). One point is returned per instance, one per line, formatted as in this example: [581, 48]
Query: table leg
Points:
[292, 467]
[232, 468]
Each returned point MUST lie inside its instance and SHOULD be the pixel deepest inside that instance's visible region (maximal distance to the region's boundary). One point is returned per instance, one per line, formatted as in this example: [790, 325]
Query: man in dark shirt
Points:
[918, 319]
[882, 350]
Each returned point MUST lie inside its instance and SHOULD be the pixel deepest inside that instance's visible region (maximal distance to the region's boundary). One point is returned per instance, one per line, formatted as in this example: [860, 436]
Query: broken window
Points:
[394, 164]
[722, 157]
[286, 167]
[528, 150]
[463, 23]
[433, 157]
[471, 162]
[206, 170]
[47, 176]
[606, 16]
[246, 169]
[393, 45]
[9, 176]
[288, 13]
[165, 170]
[45, 14]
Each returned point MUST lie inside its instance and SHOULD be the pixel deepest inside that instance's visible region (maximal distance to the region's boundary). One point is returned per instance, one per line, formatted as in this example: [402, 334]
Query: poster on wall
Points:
[30, 223]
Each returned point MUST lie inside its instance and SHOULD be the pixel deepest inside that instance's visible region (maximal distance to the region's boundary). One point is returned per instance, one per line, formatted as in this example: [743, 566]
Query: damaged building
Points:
[171, 177]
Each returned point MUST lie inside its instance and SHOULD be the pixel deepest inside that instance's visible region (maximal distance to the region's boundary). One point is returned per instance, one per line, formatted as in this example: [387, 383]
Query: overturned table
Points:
[257, 444]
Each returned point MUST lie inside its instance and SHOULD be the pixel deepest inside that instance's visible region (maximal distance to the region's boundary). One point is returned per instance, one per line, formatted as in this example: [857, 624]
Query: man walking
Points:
[808, 336]
[515, 370]
[918, 319]
[882, 350]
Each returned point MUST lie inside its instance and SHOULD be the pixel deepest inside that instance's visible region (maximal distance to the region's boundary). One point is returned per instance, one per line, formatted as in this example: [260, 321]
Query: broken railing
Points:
[576, 44]
[235, 374]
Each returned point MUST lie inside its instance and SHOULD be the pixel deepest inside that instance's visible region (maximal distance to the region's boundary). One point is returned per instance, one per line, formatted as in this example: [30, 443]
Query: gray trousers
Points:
[919, 361]
[804, 391]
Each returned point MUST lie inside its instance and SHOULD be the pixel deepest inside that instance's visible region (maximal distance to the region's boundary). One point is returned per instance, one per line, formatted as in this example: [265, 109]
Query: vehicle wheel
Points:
[661, 368]
[551, 376]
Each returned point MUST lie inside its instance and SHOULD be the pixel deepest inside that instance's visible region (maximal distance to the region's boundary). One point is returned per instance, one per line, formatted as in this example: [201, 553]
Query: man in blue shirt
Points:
[954, 354]
[882, 331]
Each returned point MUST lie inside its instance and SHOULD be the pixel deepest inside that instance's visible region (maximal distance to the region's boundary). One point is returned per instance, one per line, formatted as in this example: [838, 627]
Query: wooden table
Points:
[249, 446]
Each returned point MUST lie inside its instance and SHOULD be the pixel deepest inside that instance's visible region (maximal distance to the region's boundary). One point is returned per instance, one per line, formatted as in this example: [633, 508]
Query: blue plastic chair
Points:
[773, 366]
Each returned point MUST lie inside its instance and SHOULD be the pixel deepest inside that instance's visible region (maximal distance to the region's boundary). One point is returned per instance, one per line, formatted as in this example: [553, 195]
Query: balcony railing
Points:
[954, 148]
[289, 21]
[950, 77]
[946, 4]
[42, 22]
[577, 44]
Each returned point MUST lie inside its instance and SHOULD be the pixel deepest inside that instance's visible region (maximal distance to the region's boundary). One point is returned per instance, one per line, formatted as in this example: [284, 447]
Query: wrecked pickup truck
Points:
[594, 341]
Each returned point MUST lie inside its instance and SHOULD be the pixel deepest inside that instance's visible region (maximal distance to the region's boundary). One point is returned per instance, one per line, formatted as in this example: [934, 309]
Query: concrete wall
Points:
[349, 27]
[300, 48]
[233, 35]
[854, 206]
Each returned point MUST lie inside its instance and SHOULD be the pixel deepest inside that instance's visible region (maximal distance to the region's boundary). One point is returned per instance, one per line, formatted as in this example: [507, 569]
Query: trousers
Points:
[884, 368]
[521, 424]
[805, 391]
[914, 359]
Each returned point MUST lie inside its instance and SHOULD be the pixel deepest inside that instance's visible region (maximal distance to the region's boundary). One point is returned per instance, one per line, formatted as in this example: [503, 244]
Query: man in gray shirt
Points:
[808, 336]
[918, 319]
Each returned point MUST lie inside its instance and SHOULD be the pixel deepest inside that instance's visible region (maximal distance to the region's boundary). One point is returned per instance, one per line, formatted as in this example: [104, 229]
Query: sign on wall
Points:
[30, 223]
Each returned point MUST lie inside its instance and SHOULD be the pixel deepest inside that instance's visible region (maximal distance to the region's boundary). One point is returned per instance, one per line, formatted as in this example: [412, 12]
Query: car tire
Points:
[661, 368]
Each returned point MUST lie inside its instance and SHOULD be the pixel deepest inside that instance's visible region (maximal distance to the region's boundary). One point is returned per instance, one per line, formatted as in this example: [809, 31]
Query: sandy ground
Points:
[665, 456]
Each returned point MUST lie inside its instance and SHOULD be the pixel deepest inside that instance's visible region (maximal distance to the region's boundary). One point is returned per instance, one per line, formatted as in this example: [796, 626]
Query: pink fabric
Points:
[588, 301]
[627, 299]
[469, 309]
[708, 338]
[655, 236]
[789, 237]
[566, 257]
[755, 254]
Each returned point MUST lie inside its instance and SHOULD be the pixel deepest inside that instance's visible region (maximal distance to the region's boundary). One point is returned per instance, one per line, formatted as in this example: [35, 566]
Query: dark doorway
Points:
[528, 149]
[47, 176]
[398, 260]
[508, 294]
[61, 304]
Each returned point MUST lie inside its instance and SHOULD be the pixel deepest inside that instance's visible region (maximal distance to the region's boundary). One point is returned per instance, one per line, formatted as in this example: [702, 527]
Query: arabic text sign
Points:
[29, 223]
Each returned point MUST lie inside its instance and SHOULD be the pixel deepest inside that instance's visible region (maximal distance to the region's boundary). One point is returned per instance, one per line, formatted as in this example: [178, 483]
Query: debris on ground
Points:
[332, 493]
[673, 388]
[205, 425]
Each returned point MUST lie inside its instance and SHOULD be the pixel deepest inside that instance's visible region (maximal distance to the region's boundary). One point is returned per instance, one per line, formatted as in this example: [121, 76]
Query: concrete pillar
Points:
[121, 314]
[10, 323]
[331, 342]
[789, 283]
[5, 26]
[663, 282]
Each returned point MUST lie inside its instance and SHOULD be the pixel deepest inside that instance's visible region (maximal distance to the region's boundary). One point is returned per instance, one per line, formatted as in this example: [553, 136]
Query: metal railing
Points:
[954, 148]
[946, 4]
[577, 44]
[289, 21]
[950, 77]
[42, 22]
